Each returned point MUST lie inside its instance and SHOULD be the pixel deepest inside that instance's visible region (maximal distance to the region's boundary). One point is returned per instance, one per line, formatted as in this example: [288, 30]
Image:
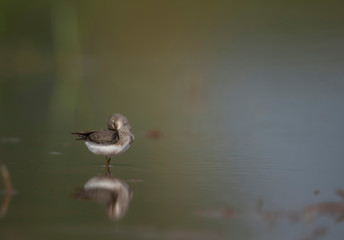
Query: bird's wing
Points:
[103, 137]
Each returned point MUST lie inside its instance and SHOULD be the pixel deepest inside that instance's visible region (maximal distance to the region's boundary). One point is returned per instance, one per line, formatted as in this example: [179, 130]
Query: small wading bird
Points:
[109, 142]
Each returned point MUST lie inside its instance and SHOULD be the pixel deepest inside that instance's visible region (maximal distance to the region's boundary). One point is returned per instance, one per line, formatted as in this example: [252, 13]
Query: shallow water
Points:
[236, 110]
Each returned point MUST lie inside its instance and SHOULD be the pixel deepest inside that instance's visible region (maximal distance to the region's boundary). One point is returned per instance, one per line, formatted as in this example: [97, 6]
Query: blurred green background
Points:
[245, 97]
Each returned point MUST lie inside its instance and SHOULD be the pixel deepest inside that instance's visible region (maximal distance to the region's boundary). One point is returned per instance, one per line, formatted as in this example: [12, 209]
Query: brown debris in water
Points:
[9, 191]
[7, 179]
[307, 215]
[340, 193]
[154, 134]
[316, 233]
[326, 209]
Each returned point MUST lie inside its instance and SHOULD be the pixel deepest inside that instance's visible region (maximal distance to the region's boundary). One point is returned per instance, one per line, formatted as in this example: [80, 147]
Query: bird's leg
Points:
[107, 161]
[107, 170]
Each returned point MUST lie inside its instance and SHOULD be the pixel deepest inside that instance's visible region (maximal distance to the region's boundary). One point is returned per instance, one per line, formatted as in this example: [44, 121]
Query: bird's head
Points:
[117, 122]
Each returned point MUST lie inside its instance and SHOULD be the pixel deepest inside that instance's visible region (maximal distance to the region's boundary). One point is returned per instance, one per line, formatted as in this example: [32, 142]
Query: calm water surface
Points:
[237, 116]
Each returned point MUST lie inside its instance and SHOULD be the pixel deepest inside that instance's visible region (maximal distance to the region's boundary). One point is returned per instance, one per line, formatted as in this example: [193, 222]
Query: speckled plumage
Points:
[105, 136]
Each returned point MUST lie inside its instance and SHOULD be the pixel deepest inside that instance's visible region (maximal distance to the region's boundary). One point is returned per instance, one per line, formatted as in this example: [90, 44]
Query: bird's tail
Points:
[82, 135]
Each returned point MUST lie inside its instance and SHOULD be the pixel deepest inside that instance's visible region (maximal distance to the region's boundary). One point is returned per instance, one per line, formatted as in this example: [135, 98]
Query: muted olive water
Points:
[237, 109]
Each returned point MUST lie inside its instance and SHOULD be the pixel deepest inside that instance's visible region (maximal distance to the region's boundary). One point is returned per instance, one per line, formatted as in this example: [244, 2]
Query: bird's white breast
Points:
[106, 150]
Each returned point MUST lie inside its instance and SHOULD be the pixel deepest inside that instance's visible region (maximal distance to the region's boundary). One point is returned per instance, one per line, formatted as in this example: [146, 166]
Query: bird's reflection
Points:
[109, 190]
